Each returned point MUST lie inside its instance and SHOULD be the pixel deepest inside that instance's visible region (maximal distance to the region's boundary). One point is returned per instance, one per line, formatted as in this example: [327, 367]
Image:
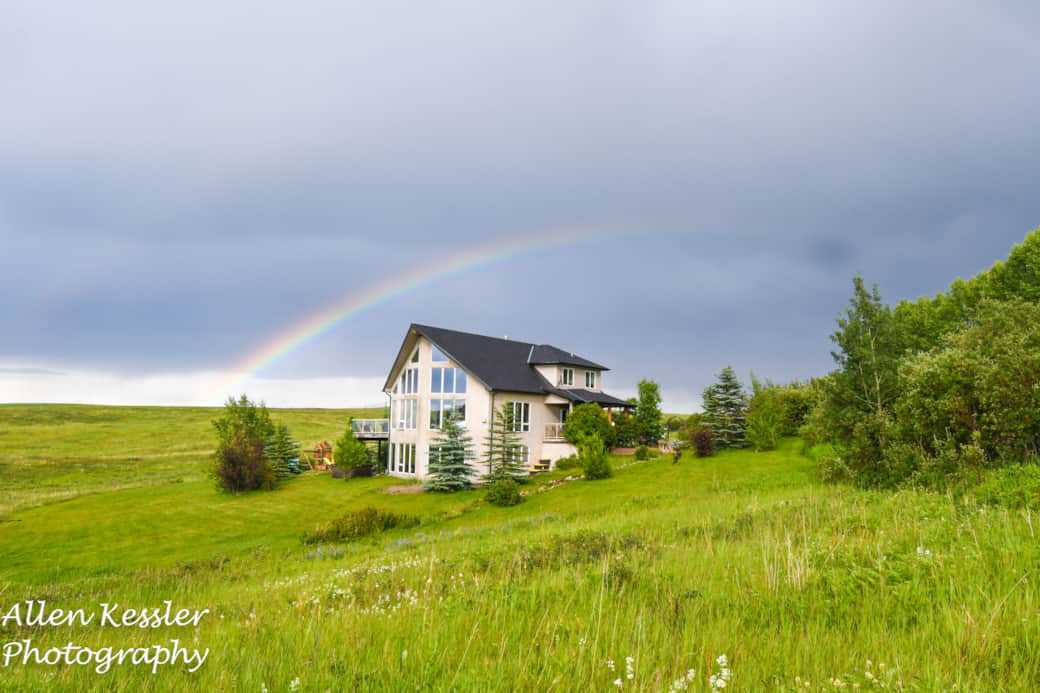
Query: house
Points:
[439, 371]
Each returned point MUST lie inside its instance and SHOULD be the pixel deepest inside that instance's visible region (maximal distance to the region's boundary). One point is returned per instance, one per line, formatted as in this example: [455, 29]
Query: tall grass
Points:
[800, 585]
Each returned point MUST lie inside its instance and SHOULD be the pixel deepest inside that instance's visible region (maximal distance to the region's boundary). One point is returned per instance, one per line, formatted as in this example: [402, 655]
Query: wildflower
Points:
[721, 660]
[610, 664]
[618, 683]
[922, 552]
[630, 669]
[294, 685]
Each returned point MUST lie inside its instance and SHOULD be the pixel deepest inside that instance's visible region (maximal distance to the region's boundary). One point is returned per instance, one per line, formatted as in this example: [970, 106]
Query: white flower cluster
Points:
[683, 682]
[721, 679]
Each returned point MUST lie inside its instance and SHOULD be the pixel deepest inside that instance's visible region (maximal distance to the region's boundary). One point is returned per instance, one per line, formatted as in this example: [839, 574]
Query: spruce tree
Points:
[450, 456]
[725, 410]
[503, 448]
[280, 450]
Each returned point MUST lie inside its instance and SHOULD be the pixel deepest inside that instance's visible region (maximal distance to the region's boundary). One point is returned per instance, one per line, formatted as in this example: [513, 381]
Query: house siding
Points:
[478, 415]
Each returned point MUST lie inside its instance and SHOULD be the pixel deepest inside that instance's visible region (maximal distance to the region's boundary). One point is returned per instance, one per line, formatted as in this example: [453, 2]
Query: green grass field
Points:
[803, 586]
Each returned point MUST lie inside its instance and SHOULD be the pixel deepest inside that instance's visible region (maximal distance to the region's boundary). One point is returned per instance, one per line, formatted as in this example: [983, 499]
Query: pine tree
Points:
[503, 448]
[725, 410]
[281, 450]
[450, 456]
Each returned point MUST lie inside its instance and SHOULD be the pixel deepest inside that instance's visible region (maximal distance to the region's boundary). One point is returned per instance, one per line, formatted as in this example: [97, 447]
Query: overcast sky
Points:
[180, 182]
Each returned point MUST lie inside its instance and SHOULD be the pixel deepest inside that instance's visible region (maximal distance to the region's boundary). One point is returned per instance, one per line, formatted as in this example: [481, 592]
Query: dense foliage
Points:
[702, 441]
[937, 388]
[359, 523]
[350, 454]
[593, 457]
[587, 420]
[725, 410]
[626, 431]
[243, 432]
[450, 457]
[649, 424]
[504, 493]
[776, 411]
[283, 452]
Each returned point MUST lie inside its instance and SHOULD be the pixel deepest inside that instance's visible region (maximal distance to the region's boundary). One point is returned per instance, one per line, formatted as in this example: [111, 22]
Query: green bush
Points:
[351, 455]
[569, 462]
[766, 417]
[358, 524]
[240, 462]
[642, 453]
[593, 458]
[1014, 486]
[588, 420]
[504, 493]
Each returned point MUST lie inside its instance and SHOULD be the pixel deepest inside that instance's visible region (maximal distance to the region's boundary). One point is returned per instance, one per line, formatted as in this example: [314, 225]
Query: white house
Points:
[439, 370]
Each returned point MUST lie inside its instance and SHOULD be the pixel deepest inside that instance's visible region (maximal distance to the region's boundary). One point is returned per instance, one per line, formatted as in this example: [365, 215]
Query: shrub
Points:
[593, 458]
[626, 430]
[642, 453]
[587, 420]
[351, 455]
[1014, 486]
[569, 462]
[766, 417]
[240, 462]
[358, 524]
[673, 424]
[504, 493]
[703, 441]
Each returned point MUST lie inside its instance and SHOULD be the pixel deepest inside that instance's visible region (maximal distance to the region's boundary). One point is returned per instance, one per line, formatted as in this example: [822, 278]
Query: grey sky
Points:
[179, 183]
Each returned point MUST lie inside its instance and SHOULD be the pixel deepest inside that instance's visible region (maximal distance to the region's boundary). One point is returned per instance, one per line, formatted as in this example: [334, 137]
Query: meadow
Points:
[641, 582]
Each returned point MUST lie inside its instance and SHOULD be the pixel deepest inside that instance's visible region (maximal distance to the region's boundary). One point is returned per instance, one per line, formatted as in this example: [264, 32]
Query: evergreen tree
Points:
[503, 448]
[350, 453]
[281, 450]
[450, 456]
[725, 410]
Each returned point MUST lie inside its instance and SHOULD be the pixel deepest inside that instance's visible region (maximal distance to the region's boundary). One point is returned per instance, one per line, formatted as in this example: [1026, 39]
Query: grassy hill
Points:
[743, 554]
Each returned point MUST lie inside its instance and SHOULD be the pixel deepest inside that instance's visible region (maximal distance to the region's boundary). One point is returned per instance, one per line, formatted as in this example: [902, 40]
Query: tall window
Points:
[521, 416]
[567, 376]
[415, 356]
[409, 381]
[402, 458]
[590, 379]
[404, 413]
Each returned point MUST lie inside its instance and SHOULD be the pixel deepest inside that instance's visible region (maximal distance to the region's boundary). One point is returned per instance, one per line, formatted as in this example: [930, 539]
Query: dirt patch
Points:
[397, 490]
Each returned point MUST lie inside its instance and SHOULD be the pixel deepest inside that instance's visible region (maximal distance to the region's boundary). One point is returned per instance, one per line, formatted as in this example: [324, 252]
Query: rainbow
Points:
[324, 319]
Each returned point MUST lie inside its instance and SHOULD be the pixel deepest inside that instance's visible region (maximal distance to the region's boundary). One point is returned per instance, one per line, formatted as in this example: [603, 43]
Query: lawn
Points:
[745, 554]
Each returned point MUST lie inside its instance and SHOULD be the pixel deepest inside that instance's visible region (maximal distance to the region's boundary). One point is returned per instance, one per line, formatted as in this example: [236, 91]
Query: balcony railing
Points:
[554, 431]
[366, 428]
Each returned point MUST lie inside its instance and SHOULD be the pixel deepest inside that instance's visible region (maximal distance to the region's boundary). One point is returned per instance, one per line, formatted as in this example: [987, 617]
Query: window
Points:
[521, 416]
[404, 412]
[402, 458]
[567, 376]
[590, 379]
[438, 355]
[415, 356]
[441, 408]
[409, 381]
[521, 454]
[448, 381]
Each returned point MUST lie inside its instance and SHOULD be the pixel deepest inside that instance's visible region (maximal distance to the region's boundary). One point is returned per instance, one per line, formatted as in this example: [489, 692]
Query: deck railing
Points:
[554, 431]
[371, 426]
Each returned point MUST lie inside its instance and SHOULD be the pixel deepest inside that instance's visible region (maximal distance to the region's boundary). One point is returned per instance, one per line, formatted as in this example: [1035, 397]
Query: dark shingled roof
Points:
[508, 365]
[581, 396]
[548, 355]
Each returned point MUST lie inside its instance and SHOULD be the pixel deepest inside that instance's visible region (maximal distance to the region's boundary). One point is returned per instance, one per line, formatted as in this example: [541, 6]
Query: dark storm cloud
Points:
[178, 183]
